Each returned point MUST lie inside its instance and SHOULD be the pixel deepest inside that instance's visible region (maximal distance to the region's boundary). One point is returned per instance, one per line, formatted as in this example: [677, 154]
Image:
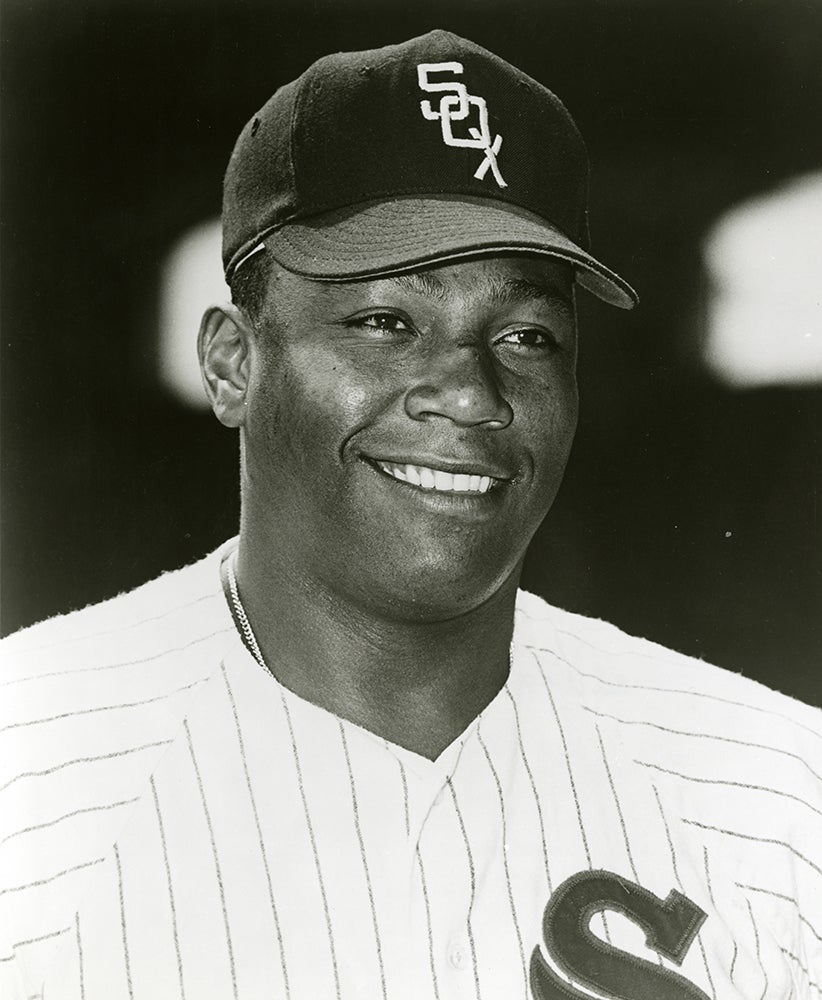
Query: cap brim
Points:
[388, 237]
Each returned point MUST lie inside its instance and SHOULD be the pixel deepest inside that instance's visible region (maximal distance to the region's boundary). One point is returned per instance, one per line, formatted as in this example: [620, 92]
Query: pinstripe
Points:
[787, 899]
[74, 812]
[122, 628]
[623, 826]
[312, 838]
[430, 928]
[758, 951]
[505, 856]
[473, 876]
[795, 958]
[123, 921]
[174, 929]
[561, 732]
[759, 840]
[35, 940]
[103, 708]
[404, 780]
[707, 966]
[618, 806]
[529, 772]
[667, 835]
[704, 736]
[82, 982]
[708, 876]
[217, 868]
[82, 760]
[635, 653]
[729, 784]
[51, 878]
[114, 666]
[708, 696]
[733, 961]
[258, 827]
[358, 828]
[709, 883]
[680, 883]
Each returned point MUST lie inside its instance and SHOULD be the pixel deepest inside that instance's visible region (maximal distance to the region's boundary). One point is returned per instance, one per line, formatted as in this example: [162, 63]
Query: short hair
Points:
[249, 286]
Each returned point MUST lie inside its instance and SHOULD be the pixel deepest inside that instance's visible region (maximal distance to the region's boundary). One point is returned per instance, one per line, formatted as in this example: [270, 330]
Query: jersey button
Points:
[457, 956]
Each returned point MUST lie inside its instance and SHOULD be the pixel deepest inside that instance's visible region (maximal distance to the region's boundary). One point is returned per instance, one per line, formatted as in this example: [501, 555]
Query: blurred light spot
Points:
[764, 262]
[192, 279]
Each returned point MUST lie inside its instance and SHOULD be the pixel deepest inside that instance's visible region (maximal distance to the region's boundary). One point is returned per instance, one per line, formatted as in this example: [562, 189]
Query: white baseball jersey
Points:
[619, 822]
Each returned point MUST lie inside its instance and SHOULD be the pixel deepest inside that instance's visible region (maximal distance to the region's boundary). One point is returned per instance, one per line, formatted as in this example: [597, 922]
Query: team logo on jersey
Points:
[457, 105]
[670, 926]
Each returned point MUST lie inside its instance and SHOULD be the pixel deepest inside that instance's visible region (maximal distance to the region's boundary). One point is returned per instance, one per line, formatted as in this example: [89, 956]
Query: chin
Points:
[439, 589]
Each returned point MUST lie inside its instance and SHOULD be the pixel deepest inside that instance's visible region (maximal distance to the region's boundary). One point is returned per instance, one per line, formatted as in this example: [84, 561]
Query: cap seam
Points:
[302, 83]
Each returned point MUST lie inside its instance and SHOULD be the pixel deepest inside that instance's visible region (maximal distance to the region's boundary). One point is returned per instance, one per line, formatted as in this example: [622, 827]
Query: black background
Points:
[690, 512]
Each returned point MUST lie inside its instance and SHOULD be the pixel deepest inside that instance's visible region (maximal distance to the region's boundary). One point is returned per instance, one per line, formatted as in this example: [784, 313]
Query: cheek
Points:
[354, 399]
[552, 409]
[552, 425]
[305, 403]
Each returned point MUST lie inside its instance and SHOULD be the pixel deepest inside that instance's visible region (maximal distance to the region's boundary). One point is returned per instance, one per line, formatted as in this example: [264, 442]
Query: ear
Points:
[223, 345]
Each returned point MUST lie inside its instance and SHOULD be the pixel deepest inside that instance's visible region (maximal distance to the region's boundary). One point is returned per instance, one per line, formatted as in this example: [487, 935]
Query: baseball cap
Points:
[433, 150]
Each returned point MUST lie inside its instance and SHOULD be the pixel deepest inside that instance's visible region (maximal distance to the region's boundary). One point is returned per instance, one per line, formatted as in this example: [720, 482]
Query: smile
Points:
[437, 479]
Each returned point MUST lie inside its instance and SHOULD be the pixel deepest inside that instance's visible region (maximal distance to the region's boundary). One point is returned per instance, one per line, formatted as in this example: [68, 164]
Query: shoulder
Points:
[617, 670]
[89, 703]
[731, 768]
[181, 604]
[110, 672]
[676, 720]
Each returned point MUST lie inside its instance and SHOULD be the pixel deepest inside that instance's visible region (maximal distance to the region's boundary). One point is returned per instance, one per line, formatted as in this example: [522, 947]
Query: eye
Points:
[528, 339]
[380, 323]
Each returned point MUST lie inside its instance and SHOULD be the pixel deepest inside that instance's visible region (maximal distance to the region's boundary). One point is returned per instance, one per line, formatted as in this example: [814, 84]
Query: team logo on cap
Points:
[456, 105]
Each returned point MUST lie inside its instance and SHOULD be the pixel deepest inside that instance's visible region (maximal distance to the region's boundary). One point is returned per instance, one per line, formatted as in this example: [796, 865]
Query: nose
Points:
[459, 385]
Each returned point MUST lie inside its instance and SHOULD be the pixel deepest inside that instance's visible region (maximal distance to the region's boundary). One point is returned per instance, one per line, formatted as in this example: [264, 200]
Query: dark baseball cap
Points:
[377, 162]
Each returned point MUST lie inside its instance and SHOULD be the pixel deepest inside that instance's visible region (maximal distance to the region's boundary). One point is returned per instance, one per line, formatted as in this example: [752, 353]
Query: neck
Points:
[416, 683]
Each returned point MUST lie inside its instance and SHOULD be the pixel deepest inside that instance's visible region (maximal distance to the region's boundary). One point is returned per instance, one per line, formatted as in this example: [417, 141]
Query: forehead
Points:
[485, 281]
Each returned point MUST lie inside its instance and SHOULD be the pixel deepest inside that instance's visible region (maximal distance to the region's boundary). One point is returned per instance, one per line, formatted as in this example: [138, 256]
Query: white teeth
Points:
[437, 479]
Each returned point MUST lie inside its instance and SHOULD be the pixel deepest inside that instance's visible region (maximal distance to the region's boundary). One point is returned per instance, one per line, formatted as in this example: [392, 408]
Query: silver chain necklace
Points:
[248, 632]
[242, 617]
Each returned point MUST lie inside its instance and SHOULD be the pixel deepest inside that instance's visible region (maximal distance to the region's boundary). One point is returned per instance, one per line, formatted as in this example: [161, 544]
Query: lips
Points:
[439, 480]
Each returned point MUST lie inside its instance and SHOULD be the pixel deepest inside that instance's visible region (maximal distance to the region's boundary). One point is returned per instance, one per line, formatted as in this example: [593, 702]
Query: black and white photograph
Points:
[411, 555]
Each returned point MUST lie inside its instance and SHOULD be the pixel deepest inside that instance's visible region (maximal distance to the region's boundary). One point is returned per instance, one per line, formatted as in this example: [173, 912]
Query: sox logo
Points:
[455, 106]
[670, 927]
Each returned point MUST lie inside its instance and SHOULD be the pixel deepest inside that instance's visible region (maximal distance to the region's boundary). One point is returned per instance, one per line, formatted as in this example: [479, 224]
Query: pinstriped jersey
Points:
[620, 821]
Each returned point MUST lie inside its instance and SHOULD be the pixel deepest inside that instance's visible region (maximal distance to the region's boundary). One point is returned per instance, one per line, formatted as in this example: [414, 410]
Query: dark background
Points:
[690, 512]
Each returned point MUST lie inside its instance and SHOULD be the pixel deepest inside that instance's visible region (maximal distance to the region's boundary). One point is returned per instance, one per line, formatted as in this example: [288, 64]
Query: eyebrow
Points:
[500, 291]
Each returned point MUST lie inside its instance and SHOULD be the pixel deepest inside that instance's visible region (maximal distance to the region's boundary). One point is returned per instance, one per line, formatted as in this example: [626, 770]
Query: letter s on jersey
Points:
[670, 926]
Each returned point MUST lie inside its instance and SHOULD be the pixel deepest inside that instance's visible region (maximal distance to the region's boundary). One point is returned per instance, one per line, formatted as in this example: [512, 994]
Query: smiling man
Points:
[403, 438]
[344, 755]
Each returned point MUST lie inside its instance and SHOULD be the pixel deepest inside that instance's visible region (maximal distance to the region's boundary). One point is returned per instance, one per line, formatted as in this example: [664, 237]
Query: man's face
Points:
[404, 437]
